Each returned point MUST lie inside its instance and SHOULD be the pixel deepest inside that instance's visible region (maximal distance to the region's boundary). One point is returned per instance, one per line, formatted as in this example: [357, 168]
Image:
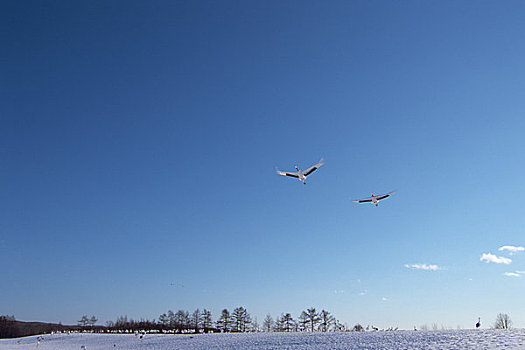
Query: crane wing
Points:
[383, 196]
[364, 200]
[288, 173]
[313, 168]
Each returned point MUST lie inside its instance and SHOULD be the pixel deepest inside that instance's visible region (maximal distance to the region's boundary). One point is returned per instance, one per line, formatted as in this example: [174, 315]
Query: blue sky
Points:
[139, 142]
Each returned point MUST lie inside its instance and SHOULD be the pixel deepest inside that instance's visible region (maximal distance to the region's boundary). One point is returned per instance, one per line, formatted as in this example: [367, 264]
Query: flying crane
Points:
[301, 174]
[373, 198]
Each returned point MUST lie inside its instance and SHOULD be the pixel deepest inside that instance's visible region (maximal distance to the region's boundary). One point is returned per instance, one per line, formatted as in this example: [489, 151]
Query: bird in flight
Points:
[374, 199]
[301, 174]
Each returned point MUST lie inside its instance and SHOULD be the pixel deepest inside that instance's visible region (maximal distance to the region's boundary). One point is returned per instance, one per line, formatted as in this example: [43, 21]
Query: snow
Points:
[451, 339]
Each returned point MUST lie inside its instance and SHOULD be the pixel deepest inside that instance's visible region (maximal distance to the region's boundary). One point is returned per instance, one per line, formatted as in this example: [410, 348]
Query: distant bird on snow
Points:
[301, 174]
[374, 199]
[479, 322]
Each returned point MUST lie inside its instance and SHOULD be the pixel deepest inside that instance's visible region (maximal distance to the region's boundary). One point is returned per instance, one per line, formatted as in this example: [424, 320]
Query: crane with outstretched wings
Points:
[301, 174]
[374, 198]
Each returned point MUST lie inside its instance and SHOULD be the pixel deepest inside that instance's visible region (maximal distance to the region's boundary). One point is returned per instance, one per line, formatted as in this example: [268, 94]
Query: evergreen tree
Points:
[278, 324]
[8, 327]
[313, 318]
[206, 320]
[224, 322]
[241, 319]
[326, 320]
[164, 320]
[288, 323]
[303, 321]
[83, 321]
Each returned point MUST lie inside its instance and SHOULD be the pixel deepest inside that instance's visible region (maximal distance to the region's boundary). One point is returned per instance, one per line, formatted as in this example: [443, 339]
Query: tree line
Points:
[236, 321]
[308, 321]
[239, 320]
[12, 328]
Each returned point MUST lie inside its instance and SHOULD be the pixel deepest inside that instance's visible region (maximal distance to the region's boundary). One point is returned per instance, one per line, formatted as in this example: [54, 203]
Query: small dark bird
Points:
[479, 323]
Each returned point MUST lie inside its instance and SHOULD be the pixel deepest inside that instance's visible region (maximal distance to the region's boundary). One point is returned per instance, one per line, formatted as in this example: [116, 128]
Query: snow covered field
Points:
[453, 339]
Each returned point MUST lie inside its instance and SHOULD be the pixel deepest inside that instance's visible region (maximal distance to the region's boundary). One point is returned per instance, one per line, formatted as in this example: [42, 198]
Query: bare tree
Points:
[182, 320]
[172, 322]
[196, 320]
[503, 322]
[121, 322]
[255, 325]
[248, 323]
[278, 324]
[268, 323]
[93, 320]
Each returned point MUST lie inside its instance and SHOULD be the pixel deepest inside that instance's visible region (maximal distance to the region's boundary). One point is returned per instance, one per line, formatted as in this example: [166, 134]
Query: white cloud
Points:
[521, 272]
[340, 291]
[495, 259]
[362, 293]
[423, 267]
[384, 299]
[512, 249]
[512, 274]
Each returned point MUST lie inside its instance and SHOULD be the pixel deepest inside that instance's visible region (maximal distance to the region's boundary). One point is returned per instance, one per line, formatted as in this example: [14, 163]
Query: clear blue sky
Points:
[138, 142]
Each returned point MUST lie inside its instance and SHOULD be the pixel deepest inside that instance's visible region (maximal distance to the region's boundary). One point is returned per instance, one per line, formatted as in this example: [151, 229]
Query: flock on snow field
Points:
[449, 339]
